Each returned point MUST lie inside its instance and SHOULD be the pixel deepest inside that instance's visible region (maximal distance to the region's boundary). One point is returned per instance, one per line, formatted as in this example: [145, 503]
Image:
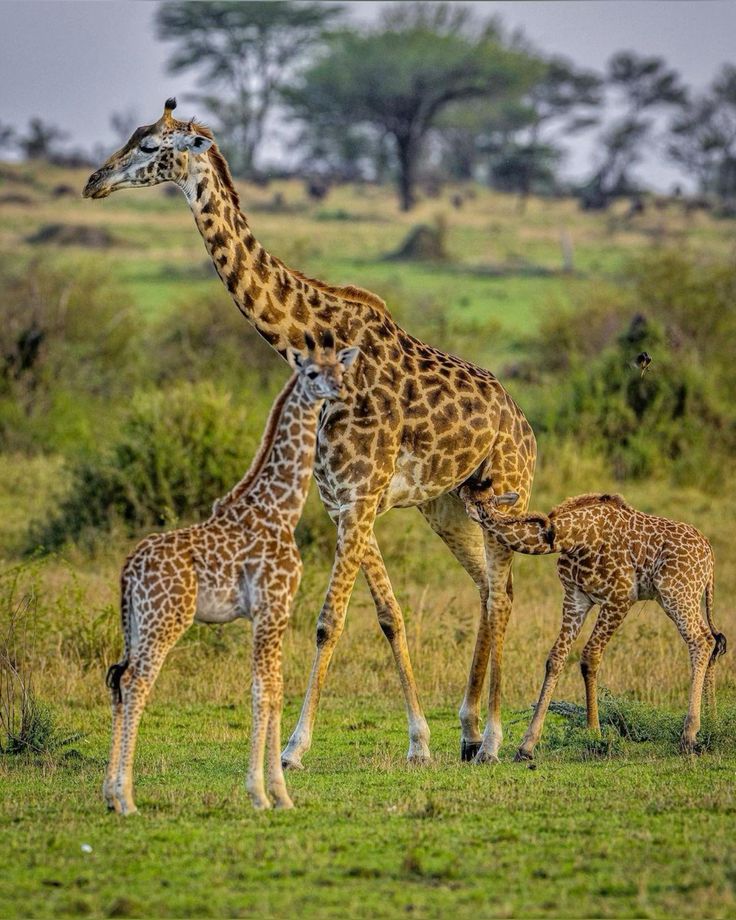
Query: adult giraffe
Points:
[416, 424]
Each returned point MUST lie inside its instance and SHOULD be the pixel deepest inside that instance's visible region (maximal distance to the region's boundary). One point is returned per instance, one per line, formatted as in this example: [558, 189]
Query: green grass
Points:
[611, 829]
[644, 834]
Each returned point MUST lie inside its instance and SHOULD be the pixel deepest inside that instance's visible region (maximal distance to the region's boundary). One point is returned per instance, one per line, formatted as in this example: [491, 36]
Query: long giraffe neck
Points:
[530, 534]
[279, 476]
[281, 303]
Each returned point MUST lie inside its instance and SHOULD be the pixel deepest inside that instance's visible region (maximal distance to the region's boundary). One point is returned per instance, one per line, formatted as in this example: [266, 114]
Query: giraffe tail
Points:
[115, 671]
[720, 639]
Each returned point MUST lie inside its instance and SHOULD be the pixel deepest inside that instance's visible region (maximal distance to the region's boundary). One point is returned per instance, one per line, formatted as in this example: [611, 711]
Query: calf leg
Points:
[500, 594]
[268, 697]
[685, 613]
[575, 607]
[146, 659]
[108, 786]
[611, 616]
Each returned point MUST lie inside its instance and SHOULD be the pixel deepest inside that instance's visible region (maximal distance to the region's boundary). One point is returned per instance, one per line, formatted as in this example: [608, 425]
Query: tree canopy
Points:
[398, 78]
[243, 53]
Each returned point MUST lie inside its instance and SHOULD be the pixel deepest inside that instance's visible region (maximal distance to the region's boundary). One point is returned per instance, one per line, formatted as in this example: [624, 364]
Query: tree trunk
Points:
[407, 154]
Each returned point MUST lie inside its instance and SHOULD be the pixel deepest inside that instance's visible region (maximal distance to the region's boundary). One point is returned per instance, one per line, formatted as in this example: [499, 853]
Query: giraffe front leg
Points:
[254, 783]
[269, 631]
[575, 607]
[392, 625]
[353, 533]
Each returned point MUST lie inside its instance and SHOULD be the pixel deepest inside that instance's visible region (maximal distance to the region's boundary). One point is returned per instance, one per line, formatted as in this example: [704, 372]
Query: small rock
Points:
[86, 848]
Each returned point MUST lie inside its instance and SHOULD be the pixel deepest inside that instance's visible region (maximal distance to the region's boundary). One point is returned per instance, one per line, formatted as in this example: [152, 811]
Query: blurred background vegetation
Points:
[429, 169]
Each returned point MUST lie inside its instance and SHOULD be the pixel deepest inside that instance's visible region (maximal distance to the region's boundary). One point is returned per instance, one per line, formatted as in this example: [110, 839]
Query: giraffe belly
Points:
[218, 606]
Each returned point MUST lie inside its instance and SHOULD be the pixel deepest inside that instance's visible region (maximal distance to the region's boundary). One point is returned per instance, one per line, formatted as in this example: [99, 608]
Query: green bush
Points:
[67, 345]
[206, 338]
[678, 417]
[177, 450]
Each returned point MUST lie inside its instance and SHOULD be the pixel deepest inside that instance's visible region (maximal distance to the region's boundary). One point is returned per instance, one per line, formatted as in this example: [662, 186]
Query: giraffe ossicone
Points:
[242, 562]
[612, 555]
[416, 423]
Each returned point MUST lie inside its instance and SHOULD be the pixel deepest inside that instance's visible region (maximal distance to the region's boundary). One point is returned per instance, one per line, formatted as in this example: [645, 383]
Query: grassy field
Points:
[612, 828]
[644, 833]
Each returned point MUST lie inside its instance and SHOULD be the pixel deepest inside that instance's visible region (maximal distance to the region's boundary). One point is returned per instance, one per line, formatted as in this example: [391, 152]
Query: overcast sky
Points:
[73, 62]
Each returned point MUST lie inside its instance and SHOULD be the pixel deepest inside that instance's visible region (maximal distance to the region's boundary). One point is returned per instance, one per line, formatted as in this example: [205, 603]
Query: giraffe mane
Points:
[590, 498]
[264, 449]
[350, 292]
[218, 161]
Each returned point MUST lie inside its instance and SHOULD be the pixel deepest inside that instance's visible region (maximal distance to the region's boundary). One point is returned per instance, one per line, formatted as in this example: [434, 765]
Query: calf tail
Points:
[115, 671]
[720, 639]
[114, 676]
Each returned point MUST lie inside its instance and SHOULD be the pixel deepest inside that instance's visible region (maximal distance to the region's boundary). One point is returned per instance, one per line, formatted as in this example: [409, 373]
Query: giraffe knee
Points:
[388, 629]
[584, 668]
[554, 663]
[328, 632]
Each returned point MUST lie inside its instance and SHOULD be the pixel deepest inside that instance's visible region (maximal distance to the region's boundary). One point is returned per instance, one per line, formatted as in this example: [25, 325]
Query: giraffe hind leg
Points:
[446, 516]
[114, 676]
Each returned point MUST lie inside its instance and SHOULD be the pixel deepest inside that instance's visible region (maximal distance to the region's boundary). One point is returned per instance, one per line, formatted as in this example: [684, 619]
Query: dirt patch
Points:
[424, 243]
[16, 198]
[73, 235]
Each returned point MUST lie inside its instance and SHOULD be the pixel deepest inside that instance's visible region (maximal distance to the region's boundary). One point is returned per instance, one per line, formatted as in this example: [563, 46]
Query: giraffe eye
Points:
[145, 149]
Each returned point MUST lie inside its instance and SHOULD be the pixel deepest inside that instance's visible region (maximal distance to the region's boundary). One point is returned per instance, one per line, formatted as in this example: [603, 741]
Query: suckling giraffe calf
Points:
[612, 555]
[242, 562]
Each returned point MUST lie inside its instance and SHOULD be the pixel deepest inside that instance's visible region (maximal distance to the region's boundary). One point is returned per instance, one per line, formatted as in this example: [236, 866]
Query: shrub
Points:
[65, 330]
[177, 450]
[209, 337]
[27, 724]
[678, 416]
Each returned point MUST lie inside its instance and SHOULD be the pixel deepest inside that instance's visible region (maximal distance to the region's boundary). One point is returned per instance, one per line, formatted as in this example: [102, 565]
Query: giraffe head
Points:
[322, 370]
[481, 502]
[155, 153]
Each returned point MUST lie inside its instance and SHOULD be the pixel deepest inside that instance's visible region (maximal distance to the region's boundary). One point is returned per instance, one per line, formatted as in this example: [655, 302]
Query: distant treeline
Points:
[428, 93]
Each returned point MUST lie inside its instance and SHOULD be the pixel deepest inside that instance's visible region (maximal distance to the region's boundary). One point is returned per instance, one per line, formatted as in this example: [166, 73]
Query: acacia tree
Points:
[244, 53]
[642, 86]
[40, 140]
[396, 79]
[703, 136]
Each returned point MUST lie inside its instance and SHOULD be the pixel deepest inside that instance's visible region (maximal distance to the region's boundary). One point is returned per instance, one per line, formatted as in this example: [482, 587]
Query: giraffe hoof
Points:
[689, 747]
[468, 750]
[523, 756]
[483, 757]
[418, 760]
[283, 804]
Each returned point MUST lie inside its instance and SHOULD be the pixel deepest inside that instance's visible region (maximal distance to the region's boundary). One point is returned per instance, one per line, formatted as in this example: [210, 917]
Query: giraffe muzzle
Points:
[95, 187]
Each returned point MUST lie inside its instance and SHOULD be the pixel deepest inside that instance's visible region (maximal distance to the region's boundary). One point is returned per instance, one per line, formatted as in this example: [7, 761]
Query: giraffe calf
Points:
[242, 562]
[612, 555]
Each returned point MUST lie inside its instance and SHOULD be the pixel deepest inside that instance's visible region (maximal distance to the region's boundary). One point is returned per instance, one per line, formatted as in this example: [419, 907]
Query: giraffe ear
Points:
[347, 356]
[508, 498]
[295, 358]
[196, 144]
